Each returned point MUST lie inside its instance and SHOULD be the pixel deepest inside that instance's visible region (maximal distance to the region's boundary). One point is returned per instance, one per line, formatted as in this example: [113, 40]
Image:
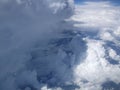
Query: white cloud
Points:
[95, 70]
[113, 55]
[103, 18]
[97, 14]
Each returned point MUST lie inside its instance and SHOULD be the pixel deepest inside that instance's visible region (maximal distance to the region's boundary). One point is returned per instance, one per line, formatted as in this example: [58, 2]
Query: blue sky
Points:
[113, 1]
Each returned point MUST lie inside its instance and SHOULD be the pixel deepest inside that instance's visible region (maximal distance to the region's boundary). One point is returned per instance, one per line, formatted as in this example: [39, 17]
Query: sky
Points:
[113, 1]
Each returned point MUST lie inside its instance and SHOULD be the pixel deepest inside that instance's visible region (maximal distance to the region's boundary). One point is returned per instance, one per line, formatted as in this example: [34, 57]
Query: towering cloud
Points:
[27, 26]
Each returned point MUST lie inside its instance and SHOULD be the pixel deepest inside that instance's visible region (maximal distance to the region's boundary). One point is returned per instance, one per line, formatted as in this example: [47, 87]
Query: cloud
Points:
[27, 26]
[96, 69]
[39, 52]
[101, 19]
[94, 11]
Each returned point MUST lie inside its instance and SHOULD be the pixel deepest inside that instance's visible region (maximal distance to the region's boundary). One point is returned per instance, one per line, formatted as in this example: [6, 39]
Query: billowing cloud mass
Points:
[100, 21]
[56, 45]
[28, 34]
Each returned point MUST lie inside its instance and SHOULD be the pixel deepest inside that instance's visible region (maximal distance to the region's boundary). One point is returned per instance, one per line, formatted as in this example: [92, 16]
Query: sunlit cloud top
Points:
[102, 14]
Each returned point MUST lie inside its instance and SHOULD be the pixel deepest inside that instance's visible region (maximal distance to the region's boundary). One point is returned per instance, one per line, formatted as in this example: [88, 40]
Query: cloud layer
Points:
[47, 45]
[101, 23]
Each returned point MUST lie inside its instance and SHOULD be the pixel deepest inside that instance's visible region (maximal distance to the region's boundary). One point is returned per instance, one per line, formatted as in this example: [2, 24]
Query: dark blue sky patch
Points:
[117, 2]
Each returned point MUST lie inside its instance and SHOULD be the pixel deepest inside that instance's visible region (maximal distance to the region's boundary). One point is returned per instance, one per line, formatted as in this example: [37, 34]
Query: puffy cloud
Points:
[96, 69]
[113, 55]
[102, 20]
